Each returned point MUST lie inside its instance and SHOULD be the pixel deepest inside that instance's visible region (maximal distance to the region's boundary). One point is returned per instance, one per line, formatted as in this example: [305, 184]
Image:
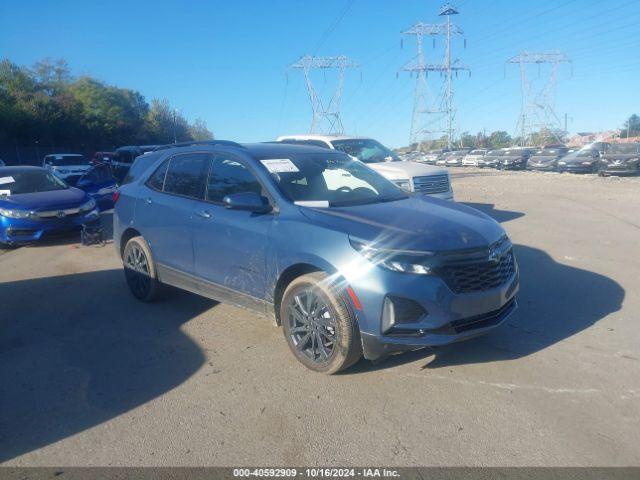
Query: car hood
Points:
[578, 159]
[509, 157]
[72, 167]
[543, 159]
[415, 223]
[70, 197]
[402, 170]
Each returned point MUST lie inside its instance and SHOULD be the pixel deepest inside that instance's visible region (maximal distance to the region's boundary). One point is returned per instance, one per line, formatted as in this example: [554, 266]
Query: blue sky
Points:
[225, 61]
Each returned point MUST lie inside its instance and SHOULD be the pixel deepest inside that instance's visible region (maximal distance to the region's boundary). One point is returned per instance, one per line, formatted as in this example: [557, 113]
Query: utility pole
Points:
[421, 126]
[326, 119]
[175, 138]
[538, 105]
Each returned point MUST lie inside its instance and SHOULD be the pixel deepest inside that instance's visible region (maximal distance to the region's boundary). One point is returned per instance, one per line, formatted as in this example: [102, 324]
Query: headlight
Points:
[89, 205]
[403, 184]
[562, 163]
[10, 213]
[406, 261]
[587, 163]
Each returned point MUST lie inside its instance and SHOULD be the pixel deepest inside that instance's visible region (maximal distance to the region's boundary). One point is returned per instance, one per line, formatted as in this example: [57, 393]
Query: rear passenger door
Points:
[231, 245]
[165, 214]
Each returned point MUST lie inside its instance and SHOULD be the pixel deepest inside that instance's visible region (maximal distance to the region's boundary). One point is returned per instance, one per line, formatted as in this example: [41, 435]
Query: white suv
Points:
[473, 158]
[67, 166]
[410, 176]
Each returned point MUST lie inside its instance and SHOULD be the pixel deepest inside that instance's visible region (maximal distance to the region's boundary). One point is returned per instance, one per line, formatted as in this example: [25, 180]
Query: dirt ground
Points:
[90, 376]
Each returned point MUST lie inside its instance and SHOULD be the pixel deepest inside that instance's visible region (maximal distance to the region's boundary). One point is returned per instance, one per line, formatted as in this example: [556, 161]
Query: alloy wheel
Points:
[312, 325]
[137, 271]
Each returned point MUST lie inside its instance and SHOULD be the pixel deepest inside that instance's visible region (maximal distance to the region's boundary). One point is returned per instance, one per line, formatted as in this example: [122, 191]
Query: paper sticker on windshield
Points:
[4, 180]
[279, 165]
[5, 192]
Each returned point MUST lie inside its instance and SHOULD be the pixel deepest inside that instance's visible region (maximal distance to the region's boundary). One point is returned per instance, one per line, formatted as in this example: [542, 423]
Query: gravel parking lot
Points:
[90, 376]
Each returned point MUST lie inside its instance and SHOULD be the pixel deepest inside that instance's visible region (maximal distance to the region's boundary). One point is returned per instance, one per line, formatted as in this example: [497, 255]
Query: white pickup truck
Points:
[410, 176]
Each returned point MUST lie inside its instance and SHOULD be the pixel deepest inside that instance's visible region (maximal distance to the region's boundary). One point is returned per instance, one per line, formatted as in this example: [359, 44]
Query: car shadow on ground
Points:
[556, 301]
[500, 216]
[78, 350]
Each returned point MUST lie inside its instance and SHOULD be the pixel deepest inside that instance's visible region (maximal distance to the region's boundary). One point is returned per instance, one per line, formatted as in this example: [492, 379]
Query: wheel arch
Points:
[127, 235]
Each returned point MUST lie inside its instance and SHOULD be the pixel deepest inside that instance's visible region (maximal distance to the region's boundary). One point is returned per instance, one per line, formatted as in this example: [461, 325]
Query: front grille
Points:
[431, 184]
[478, 275]
[484, 320]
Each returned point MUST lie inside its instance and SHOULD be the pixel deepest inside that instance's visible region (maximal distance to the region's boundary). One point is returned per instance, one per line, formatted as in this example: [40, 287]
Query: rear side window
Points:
[186, 175]
[156, 181]
[228, 176]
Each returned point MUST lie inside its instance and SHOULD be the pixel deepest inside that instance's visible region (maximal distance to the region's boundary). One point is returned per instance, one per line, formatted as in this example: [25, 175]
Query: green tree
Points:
[199, 131]
[499, 139]
[631, 127]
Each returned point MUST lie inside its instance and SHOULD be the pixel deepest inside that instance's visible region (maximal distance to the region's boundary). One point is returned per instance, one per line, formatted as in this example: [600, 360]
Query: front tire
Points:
[139, 270]
[319, 325]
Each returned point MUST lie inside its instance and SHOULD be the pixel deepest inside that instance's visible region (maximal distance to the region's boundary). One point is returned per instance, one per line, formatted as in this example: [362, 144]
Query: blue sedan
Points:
[35, 203]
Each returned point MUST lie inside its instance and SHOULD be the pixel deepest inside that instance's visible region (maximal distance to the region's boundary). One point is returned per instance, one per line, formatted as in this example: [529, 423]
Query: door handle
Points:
[203, 214]
[148, 201]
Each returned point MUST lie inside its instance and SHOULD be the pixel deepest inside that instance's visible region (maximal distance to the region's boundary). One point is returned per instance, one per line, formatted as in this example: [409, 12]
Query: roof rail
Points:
[196, 142]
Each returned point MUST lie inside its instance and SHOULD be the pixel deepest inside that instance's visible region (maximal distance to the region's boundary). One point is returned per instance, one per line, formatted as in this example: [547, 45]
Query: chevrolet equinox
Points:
[344, 260]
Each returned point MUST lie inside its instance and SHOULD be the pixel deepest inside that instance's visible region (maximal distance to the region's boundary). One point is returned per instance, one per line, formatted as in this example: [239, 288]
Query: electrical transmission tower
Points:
[426, 119]
[326, 119]
[537, 113]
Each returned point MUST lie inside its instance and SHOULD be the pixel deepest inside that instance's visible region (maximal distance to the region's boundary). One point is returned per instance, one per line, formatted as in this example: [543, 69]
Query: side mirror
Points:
[248, 201]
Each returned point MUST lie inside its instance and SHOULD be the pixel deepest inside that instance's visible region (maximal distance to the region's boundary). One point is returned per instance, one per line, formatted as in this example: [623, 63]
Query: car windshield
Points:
[366, 150]
[477, 152]
[495, 153]
[60, 160]
[624, 148]
[512, 152]
[29, 181]
[332, 180]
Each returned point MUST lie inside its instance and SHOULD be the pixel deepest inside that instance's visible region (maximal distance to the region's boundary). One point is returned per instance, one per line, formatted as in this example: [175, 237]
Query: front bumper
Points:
[546, 167]
[450, 317]
[577, 168]
[619, 170]
[14, 231]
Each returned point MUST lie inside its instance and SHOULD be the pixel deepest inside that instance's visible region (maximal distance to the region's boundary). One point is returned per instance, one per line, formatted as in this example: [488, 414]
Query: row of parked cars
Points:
[604, 159]
[93, 181]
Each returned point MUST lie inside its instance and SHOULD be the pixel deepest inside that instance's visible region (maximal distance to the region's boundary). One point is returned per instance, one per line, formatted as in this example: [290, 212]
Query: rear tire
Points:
[319, 325]
[140, 270]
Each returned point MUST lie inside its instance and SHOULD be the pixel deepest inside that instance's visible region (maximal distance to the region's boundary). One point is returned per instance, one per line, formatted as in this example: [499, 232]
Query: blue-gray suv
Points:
[348, 263]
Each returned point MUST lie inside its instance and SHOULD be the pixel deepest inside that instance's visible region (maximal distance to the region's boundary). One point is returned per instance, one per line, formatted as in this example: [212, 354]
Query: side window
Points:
[229, 176]
[156, 181]
[186, 175]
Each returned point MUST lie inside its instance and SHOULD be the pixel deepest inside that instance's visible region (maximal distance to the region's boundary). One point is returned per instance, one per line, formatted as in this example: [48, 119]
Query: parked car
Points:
[410, 176]
[515, 158]
[67, 166]
[100, 185]
[584, 160]
[473, 157]
[432, 156]
[491, 159]
[621, 158]
[103, 157]
[34, 202]
[348, 263]
[124, 157]
[454, 159]
[546, 159]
